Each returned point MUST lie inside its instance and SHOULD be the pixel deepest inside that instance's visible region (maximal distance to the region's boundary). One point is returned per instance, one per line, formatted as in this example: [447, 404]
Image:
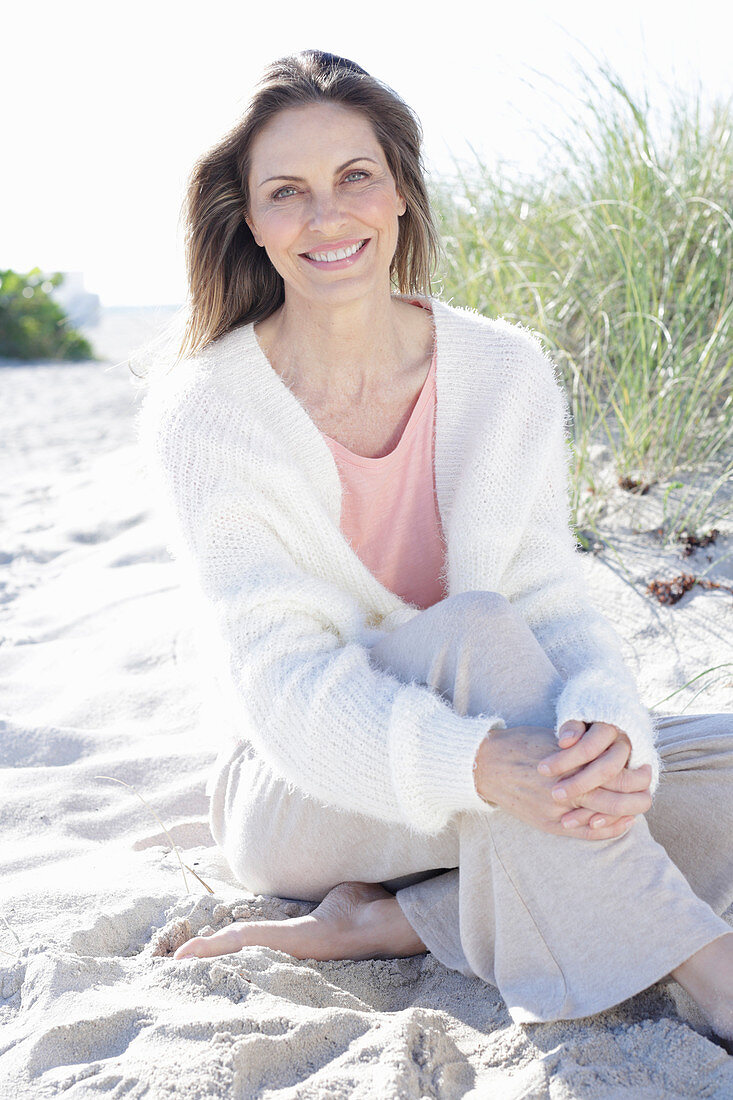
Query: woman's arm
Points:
[546, 582]
[324, 718]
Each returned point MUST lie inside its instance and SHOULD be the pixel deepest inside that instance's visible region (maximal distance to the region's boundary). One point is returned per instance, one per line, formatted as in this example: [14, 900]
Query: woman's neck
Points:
[356, 350]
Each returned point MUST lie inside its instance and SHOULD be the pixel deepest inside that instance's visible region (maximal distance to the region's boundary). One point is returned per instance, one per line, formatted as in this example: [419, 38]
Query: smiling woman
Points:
[229, 194]
[433, 722]
[335, 214]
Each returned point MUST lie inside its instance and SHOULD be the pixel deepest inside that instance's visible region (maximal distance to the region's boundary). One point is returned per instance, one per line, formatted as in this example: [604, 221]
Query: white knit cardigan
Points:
[253, 495]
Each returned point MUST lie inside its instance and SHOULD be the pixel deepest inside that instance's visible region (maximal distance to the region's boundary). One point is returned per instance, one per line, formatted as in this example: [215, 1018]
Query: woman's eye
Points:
[286, 192]
[279, 194]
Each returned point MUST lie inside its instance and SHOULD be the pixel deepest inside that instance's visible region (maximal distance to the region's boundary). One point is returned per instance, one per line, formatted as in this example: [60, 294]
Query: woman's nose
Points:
[326, 213]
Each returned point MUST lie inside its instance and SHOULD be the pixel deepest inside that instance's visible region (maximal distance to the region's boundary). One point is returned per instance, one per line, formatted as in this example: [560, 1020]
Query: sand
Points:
[99, 677]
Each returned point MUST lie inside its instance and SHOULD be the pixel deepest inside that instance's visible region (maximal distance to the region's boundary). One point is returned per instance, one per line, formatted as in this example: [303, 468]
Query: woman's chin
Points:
[335, 292]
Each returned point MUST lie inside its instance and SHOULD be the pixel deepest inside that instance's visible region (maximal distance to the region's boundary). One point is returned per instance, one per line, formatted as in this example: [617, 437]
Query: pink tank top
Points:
[390, 512]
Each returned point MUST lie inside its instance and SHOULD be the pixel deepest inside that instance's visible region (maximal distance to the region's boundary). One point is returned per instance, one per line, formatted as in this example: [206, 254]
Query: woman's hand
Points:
[507, 774]
[600, 787]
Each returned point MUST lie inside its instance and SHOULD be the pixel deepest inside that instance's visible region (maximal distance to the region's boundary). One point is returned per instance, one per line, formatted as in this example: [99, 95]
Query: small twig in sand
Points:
[12, 932]
[10, 929]
[184, 866]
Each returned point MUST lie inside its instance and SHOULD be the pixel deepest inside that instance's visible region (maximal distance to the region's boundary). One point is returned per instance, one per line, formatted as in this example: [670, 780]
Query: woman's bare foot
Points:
[355, 920]
[708, 978]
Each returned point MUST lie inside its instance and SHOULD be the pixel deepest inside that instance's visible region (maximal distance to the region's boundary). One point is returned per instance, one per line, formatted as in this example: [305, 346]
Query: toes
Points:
[187, 950]
[204, 947]
[190, 949]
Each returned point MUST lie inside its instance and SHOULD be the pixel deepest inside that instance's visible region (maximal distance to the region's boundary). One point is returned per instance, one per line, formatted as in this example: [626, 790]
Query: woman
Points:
[372, 489]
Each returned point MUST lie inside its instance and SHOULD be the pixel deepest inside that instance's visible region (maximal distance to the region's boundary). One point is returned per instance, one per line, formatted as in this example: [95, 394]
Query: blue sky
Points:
[108, 105]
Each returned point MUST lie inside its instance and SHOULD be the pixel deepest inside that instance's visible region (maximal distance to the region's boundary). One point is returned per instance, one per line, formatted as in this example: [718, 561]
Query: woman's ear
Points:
[403, 204]
[252, 229]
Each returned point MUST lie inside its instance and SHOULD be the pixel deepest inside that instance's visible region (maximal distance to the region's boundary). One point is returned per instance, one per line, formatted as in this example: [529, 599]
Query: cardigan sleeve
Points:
[545, 580]
[324, 718]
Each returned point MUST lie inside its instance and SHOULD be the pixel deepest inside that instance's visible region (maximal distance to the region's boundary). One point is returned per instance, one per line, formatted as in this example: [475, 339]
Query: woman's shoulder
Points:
[507, 346]
[194, 402]
[198, 378]
[469, 323]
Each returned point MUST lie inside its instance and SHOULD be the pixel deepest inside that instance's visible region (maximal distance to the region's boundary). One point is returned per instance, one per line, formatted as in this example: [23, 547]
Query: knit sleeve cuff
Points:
[432, 758]
[594, 696]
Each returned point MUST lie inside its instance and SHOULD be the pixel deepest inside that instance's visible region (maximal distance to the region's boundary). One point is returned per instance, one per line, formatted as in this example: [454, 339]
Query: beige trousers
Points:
[563, 927]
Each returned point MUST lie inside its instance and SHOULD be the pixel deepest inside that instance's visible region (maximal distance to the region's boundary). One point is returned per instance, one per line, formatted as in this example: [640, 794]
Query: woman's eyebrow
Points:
[299, 179]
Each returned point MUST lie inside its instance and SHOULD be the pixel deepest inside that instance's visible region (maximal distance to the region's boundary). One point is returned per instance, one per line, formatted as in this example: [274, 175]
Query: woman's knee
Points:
[281, 843]
[686, 736]
[477, 609]
[260, 864]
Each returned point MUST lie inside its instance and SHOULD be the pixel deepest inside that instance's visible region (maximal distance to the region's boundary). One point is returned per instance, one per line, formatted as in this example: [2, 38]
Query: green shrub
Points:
[32, 324]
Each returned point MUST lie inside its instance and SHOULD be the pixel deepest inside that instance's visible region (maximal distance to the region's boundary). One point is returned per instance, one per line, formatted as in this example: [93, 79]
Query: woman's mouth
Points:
[337, 258]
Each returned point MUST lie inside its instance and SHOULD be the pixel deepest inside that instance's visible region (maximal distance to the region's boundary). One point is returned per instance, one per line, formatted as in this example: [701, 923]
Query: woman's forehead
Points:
[328, 130]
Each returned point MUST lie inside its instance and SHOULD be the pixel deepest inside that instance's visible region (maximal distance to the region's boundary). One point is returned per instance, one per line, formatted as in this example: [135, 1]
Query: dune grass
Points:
[618, 253]
[174, 846]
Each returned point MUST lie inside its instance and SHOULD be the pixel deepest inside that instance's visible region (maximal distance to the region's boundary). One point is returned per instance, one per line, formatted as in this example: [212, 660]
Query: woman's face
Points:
[320, 186]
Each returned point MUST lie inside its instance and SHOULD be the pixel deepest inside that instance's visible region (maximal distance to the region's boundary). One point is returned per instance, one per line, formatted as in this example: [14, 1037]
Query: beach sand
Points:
[99, 677]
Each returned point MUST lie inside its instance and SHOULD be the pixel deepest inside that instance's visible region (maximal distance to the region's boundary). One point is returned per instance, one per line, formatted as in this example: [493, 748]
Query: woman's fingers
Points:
[604, 832]
[603, 768]
[593, 742]
[616, 803]
[607, 800]
[570, 731]
[573, 819]
[576, 818]
[632, 779]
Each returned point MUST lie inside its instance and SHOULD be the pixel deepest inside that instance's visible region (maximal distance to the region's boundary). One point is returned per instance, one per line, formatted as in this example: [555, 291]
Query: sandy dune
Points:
[98, 677]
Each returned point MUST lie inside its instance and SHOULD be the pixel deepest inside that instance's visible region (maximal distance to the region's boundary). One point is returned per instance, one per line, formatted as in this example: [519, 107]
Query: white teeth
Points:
[340, 254]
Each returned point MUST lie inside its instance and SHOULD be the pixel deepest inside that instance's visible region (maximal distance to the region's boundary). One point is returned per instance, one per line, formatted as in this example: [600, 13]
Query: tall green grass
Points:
[619, 254]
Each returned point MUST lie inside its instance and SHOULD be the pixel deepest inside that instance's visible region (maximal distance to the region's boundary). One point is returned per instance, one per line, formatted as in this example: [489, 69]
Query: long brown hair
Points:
[231, 280]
